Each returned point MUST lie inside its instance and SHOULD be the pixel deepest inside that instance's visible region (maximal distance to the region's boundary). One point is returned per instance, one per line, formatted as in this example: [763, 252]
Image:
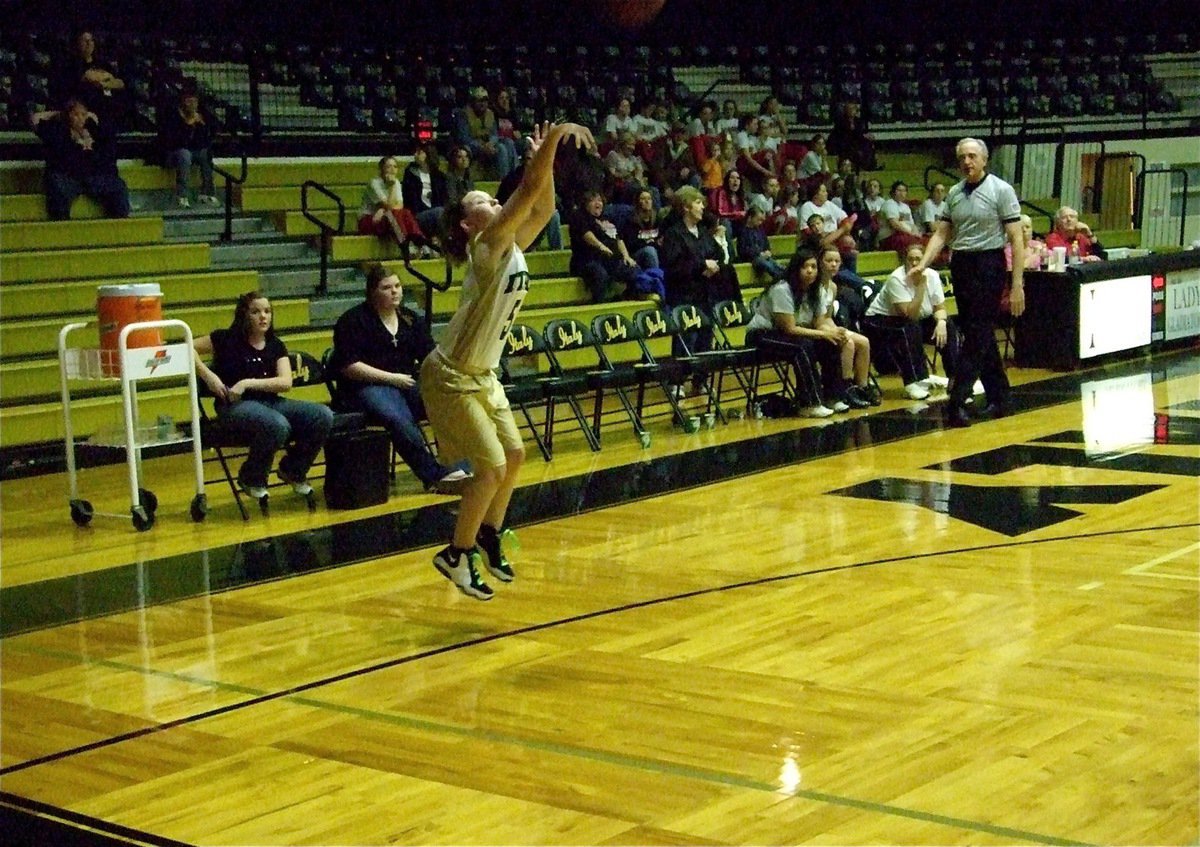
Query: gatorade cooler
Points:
[117, 306]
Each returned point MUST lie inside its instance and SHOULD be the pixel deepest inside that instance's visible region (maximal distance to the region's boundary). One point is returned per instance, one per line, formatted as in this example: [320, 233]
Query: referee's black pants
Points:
[979, 278]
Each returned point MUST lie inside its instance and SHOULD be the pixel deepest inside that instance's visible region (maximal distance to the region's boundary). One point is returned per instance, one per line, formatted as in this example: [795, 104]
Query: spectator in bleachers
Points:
[897, 228]
[730, 121]
[476, 128]
[854, 202]
[789, 176]
[689, 255]
[785, 217]
[423, 189]
[597, 252]
[712, 172]
[813, 168]
[837, 185]
[382, 212]
[185, 137]
[505, 126]
[620, 120]
[768, 198]
[724, 284]
[459, 181]
[795, 313]
[933, 206]
[553, 231]
[679, 165]
[81, 158]
[835, 223]
[753, 246]
[1074, 235]
[729, 203]
[378, 347]
[850, 139]
[853, 347]
[640, 233]
[903, 316]
[85, 76]
[754, 160]
[770, 116]
[873, 199]
[626, 170]
[649, 129]
[1037, 254]
[249, 375]
[704, 125]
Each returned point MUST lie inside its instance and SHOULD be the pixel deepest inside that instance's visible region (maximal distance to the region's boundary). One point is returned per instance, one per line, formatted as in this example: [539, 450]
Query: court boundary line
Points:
[539, 627]
[295, 694]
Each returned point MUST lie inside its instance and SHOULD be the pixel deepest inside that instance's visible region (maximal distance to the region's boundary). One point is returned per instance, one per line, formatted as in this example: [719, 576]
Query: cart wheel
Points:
[311, 499]
[199, 508]
[644, 437]
[149, 501]
[142, 519]
[81, 512]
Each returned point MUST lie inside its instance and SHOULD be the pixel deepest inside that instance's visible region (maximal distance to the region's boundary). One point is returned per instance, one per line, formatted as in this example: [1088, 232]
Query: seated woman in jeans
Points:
[250, 372]
[378, 347]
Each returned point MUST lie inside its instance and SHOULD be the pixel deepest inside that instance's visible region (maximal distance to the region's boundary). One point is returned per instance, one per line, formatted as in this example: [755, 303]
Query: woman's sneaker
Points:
[258, 492]
[492, 544]
[461, 569]
[934, 381]
[814, 412]
[299, 484]
[452, 483]
[916, 391]
[840, 406]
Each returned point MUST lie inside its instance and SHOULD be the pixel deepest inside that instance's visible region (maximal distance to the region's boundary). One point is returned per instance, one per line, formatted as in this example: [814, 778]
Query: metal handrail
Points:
[936, 169]
[1025, 204]
[230, 181]
[1139, 197]
[325, 229]
[430, 285]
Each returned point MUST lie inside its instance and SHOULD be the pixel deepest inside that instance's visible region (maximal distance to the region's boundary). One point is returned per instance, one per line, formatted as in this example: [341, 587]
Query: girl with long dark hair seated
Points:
[249, 375]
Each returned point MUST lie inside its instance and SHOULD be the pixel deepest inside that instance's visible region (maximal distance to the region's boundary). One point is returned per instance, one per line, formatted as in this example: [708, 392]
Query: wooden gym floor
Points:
[870, 631]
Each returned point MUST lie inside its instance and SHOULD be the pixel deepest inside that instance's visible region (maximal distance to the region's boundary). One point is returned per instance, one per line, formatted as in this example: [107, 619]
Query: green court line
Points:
[586, 753]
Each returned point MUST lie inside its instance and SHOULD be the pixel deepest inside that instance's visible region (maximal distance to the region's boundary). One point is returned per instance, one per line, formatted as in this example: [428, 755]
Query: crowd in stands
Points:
[659, 212]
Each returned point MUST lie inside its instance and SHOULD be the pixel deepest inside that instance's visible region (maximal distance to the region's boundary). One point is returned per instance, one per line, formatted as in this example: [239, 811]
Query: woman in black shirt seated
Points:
[378, 347]
[250, 372]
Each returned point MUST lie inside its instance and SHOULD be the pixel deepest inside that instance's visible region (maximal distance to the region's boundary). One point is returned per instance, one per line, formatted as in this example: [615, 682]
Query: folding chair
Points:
[654, 324]
[628, 363]
[525, 386]
[573, 354]
[222, 439]
[527, 389]
[728, 317]
[688, 319]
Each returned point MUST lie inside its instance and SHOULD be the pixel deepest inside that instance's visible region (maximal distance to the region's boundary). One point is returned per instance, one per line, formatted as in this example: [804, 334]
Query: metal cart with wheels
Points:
[131, 366]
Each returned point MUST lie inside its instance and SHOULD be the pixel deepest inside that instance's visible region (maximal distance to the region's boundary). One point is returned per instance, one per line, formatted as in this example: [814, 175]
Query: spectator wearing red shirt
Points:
[1069, 230]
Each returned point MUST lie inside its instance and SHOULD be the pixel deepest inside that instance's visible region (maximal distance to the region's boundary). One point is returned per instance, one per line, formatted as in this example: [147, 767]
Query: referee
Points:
[981, 211]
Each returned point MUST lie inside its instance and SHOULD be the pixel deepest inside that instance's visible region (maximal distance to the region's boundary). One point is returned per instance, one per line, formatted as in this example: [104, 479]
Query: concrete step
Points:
[210, 228]
[302, 281]
[327, 310]
[257, 254]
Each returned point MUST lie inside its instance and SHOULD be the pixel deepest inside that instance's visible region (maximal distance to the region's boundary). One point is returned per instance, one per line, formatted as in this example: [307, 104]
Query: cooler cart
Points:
[131, 366]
